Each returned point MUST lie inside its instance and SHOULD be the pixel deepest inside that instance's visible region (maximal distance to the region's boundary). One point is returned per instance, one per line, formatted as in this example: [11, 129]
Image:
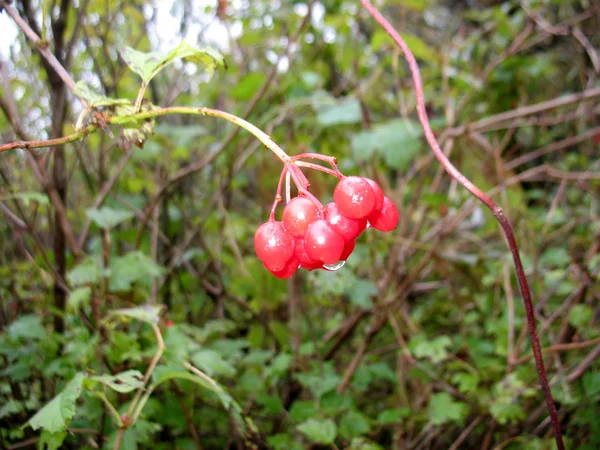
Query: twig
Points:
[42, 48]
[560, 348]
[149, 370]
[465, 434]
[554, 146]
[589, 48]
[583, 365]
[486, 123]
[494, 208]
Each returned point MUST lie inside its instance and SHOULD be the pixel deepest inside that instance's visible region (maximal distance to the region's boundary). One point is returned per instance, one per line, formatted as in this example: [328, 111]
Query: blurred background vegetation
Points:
[419, 342]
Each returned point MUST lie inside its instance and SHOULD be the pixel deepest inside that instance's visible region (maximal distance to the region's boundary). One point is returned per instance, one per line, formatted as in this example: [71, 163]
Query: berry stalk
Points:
[493, 206]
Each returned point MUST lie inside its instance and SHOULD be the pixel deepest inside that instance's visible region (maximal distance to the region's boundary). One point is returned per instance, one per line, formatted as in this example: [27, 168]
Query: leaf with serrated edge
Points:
[208, 383]
[147, 65]
[122, 382]
[108, 218]
[146, 313]
[83, 90]
[61, 409]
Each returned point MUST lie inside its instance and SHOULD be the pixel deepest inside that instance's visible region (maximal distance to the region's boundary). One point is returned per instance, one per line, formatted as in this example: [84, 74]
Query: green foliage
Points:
[321, 431]
[442, 408]
[55, 416]
[148, 65]
[417, 336]
[108, 218]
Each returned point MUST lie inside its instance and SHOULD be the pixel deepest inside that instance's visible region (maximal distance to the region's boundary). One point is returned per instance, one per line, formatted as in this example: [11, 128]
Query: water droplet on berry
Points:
[333, 267]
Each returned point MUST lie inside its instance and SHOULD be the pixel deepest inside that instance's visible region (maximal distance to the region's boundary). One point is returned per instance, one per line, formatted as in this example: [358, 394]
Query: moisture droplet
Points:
[333, 267]
[368, 224]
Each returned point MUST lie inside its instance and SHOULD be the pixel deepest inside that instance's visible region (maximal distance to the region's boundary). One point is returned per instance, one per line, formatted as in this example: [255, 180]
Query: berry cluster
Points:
[314, 236]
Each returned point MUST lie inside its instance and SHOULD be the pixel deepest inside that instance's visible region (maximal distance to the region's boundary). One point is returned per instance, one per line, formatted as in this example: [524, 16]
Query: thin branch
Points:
[494, 208]
[523, 111]
[43, 49]
[554, 146]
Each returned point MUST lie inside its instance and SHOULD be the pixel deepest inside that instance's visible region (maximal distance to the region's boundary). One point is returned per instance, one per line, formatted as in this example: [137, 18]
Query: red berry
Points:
[305, 261]
[354, 197]
[290, 268]
[274, 246]
[386, 219]
[348, 249]
[377, 191]
[349, 228]
[297, 214]
[323, 243]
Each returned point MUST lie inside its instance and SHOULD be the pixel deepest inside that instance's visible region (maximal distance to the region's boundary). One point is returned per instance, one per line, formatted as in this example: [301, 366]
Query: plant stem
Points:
[318, 167]
[110, 407]
[42, 48]
[204, 111]
[494, 208]
[151, 367]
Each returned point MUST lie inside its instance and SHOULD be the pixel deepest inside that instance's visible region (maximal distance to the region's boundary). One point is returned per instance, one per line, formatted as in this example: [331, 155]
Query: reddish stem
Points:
[296, 173]
[494, 208]
[319, 168]
[278, 197]
[331, 160]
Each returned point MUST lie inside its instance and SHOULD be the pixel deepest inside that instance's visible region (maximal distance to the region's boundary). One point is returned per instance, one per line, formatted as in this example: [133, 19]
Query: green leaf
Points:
[417, 46]
[354, 424]
[397, 140]
[51, 441]
[28, 197]
[213, 363]
[505, 411]
[283, 441]
[247, 86]
[147, 65]
[435, 350]
[55, 416]
[346, 111]
[78, 297]
[392, 416]
[466, 382]
[321, 431]
[360, 293]
[591, 384]
[83, 90]
[580, 315]
[28, 326]
[443, 408]
[85, 272]
[133, 267]
[211, 385]
[108, 218]
[10, 407]
[146, 313]
[361, 443]
[122, 382]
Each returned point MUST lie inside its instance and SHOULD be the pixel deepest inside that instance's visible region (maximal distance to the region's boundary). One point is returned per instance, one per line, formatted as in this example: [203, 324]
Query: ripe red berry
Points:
[386, 219]
[274, 246]
[297, 214]
[290, 268]
[348, 249]
[305, 261]
[377, 191]
[349, 228]
[354, 197]
[323, 243]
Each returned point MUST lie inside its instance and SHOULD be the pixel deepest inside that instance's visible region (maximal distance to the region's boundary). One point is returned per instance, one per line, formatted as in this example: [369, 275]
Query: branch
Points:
[43, 49]
[494, 208]
[486, 123]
